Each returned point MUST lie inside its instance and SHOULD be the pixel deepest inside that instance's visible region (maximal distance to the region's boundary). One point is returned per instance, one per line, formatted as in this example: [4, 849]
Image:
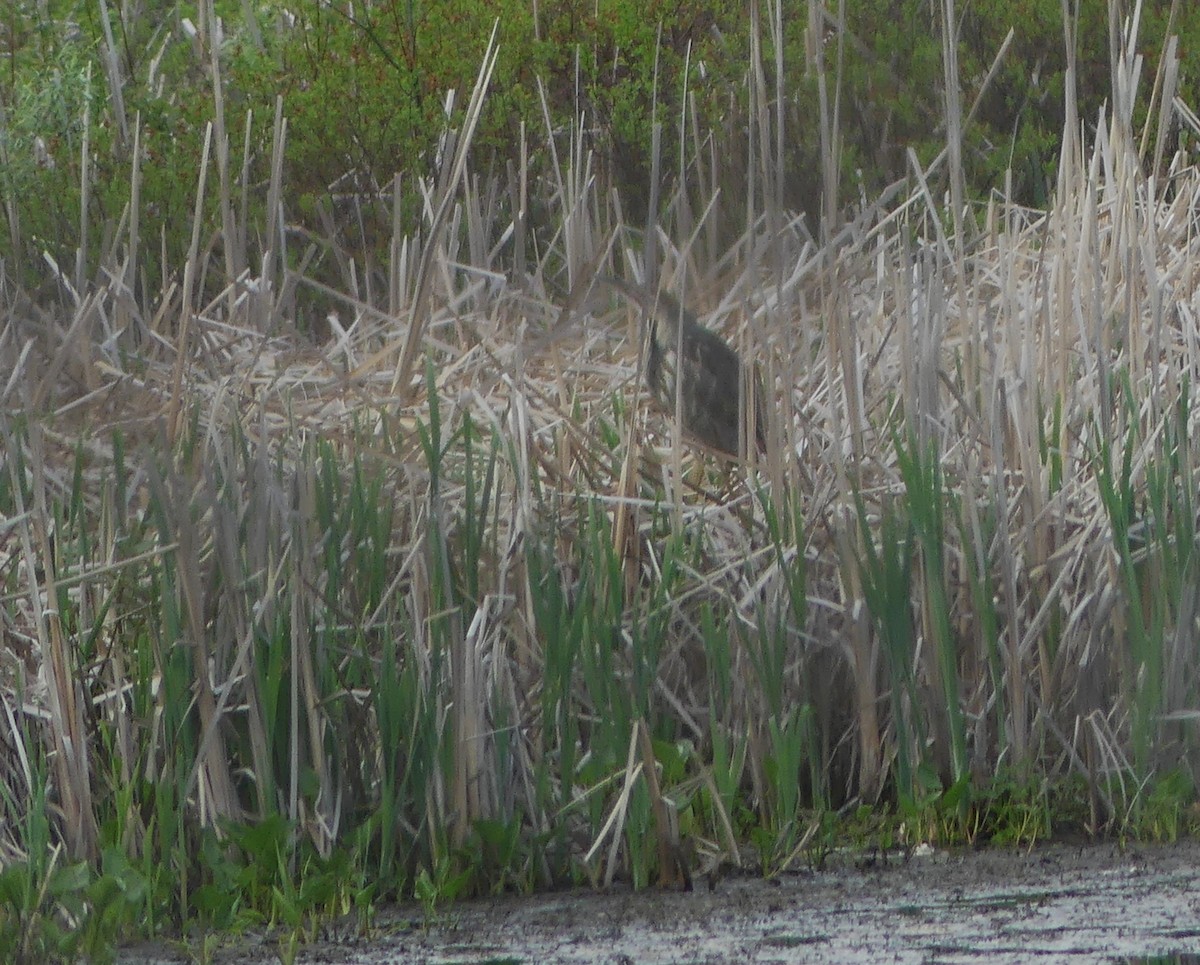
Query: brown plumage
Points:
[710, 376]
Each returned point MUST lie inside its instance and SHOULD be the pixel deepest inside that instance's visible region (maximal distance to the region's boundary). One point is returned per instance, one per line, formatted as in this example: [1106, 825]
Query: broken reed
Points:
[318, 621]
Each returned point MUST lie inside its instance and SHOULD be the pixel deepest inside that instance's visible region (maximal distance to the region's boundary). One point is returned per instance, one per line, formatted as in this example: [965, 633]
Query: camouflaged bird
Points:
[709, 378]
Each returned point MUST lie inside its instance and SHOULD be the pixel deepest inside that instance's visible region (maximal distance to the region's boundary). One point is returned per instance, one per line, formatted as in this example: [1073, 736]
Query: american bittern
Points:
[708, 375]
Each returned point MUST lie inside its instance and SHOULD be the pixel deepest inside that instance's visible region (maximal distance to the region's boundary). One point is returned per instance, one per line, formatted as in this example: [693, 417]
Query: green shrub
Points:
[365, 93]
[366, 97]
[893, 82]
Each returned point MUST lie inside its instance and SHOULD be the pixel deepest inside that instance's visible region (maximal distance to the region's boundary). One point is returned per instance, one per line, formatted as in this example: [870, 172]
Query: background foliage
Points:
[365, 92]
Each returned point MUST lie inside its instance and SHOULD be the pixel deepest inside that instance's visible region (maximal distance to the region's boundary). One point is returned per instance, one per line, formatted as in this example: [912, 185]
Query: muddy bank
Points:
[1094, 903]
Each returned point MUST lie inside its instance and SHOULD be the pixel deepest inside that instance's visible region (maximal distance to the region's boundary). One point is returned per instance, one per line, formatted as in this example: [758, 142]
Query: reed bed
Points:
[438, 602]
